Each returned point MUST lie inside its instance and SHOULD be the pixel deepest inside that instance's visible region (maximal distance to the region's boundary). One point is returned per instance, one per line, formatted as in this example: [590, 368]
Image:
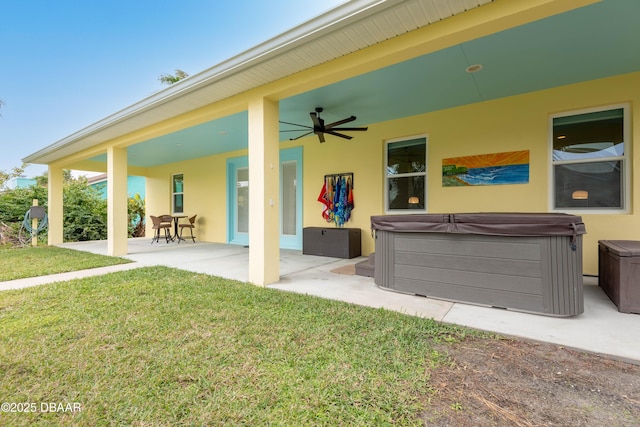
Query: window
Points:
[177, 193]
[406, 175]
[590, 160]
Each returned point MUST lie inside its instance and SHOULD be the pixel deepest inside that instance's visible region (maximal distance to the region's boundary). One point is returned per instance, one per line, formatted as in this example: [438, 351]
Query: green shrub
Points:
[84, 215]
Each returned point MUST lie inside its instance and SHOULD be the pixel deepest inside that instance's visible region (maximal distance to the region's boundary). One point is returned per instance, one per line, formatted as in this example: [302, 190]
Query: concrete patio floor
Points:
[600, 329]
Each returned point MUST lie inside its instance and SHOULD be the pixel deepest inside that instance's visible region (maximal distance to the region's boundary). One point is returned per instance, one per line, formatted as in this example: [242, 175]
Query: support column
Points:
[264, 184]
[117, 217]
[54, 206]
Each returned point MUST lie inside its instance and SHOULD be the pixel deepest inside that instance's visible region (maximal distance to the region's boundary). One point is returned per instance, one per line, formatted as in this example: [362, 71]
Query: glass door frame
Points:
[236, 163]
[292, 241]
[233, 165]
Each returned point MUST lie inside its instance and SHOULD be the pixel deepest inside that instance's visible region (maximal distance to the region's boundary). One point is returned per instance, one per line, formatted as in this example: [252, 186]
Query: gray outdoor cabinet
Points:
[331, 242]
[619, 273]
[521, 262]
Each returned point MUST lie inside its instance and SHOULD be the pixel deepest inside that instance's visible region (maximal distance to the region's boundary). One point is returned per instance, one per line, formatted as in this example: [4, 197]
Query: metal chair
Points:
[160, 224]
[190, 226]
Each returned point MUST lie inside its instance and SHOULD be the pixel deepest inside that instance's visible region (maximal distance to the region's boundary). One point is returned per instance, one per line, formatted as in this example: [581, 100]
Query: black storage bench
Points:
[331, 242]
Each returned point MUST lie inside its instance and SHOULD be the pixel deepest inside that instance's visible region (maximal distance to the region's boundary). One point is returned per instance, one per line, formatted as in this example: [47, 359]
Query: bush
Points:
[136, 216]
[84, 215]
[13, 206]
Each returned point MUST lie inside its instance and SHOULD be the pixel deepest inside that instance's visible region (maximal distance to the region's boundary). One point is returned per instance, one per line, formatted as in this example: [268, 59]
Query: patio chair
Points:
[190, 226]
[159, 224]
[168, 219]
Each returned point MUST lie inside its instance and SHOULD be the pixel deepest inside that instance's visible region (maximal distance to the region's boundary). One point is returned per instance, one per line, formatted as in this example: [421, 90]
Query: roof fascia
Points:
[327, 22]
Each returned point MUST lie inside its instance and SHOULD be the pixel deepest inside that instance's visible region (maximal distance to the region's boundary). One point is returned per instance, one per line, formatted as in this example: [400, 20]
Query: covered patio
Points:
[600, 329]
[453, 79]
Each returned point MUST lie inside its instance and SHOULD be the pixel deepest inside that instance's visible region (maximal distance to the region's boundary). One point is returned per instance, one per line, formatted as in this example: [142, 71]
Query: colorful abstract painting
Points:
[486, 169]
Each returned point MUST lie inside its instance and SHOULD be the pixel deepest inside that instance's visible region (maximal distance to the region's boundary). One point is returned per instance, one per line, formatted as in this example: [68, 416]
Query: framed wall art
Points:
[486, 169]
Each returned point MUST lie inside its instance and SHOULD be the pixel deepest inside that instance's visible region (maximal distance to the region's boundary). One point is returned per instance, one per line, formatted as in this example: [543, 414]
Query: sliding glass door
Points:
[290, 199]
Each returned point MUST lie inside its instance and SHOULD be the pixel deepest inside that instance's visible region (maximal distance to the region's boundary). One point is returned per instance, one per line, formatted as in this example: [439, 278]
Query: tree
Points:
[170, 79]
[5, 176]
[136, 212]
[42, 180]
[85, 213]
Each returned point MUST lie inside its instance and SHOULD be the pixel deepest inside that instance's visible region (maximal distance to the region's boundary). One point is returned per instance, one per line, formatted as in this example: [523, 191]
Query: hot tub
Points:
[529, 262]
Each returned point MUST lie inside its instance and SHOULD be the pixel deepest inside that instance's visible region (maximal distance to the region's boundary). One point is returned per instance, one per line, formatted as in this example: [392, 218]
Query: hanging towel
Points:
[331, 189]
[335, 191]
[324, 199]
[341, 204]
[350, 202]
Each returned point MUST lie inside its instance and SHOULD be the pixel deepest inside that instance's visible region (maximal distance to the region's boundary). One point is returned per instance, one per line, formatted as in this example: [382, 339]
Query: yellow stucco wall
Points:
[362, 156]
[523, 123]
[509, 124]
[204, 194]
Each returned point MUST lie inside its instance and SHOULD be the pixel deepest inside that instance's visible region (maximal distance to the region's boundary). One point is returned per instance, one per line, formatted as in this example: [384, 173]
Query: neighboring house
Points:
[135, 185]
[444, 86]
[21, 182]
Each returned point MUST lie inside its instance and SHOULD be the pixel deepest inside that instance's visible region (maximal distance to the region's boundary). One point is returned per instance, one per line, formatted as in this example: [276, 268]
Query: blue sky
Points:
[66, 64]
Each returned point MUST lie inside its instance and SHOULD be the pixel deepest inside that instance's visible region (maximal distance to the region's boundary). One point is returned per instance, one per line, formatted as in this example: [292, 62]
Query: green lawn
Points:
[19, 263]
[165, 347]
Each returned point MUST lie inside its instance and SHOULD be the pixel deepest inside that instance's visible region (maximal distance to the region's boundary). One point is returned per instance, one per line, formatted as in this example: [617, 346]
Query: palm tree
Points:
[170, 79]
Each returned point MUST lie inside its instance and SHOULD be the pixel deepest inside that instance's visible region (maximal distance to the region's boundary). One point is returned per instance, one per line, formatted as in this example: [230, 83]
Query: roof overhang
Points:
[350, 27]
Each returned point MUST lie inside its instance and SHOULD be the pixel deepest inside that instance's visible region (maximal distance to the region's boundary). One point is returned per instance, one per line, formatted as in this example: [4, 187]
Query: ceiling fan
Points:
[319, 128]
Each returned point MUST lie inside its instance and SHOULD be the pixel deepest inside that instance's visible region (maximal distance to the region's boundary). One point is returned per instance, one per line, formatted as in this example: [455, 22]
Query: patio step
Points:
[366, 268]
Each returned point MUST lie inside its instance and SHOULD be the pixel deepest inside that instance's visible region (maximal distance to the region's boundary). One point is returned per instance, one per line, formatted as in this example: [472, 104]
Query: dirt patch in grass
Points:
[524, 383]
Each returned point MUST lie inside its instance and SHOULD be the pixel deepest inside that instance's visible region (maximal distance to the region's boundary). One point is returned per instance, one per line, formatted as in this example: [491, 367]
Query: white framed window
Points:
[590, 160]
[177, 193]
[406, 175]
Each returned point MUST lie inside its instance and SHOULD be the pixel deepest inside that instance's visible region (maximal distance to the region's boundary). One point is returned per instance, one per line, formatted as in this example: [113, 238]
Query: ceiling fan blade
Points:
[352, 129]
[296, 124]
[301, 136]
[341, 135]
[340, 122]
[319, 128]
[317, 121]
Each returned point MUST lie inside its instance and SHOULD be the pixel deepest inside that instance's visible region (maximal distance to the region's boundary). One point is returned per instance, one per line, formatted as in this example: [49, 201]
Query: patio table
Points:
[176, 218]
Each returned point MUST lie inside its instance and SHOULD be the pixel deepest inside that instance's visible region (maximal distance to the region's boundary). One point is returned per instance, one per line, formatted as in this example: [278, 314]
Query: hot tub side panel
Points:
[563, 267]
[384, 261]
[519, 273]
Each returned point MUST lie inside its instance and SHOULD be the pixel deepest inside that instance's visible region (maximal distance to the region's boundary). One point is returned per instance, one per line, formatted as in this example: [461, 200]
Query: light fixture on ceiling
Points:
[414, 200]
[222, 132]
[580, 195]
[474, 68]
[561, 137]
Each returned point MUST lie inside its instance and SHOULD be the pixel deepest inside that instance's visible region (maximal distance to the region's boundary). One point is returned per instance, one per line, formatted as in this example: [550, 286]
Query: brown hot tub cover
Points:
[486, 223]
